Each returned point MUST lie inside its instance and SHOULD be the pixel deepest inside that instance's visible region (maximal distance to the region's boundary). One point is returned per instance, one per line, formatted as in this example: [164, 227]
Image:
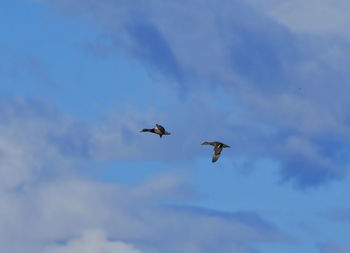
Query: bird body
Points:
[158, 129]
[218, 146]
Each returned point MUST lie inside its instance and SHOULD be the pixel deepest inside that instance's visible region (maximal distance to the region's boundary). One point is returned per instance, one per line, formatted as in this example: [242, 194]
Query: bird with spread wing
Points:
[158, 129]
[218, 146]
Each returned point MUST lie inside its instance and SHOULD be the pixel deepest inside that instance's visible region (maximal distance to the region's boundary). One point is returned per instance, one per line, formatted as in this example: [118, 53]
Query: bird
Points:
[218, 146]
[158, 129]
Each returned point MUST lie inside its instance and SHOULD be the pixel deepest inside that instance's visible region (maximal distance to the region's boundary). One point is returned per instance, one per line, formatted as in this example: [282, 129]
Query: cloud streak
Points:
[93, 241]
[333, 247]
[53, 208]
[278, 77]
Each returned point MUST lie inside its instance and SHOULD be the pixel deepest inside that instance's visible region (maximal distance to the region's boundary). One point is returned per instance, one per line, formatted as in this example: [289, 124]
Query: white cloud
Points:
[54, 203]
[93, 241]
[284, 80]
[318, 17]
[26, 149]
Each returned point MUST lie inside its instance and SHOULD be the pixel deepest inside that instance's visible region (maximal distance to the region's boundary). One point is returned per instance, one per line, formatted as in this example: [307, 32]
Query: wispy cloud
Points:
[323, 17]
[42, 211]
[280, 79]
[333, 248]
[93, 241]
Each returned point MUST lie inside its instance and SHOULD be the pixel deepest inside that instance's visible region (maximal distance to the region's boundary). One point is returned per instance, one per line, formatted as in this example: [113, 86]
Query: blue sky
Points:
[81, 78]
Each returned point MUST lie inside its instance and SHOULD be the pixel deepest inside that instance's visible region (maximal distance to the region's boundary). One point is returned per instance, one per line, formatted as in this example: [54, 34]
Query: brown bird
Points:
[218, 146]
[158, 129]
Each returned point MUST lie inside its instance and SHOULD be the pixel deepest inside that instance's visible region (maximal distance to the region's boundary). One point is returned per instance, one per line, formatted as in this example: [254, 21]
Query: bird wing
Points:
[160, 128]
[208, 143]
[216, 154]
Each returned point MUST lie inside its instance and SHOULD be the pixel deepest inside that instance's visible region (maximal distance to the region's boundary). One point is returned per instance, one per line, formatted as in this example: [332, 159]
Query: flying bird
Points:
[158, 129]
[218, 146]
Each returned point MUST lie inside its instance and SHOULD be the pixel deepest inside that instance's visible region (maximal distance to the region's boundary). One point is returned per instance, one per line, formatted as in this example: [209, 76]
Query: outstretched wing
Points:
[160, 128]
[216, 154]
[208, 143]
